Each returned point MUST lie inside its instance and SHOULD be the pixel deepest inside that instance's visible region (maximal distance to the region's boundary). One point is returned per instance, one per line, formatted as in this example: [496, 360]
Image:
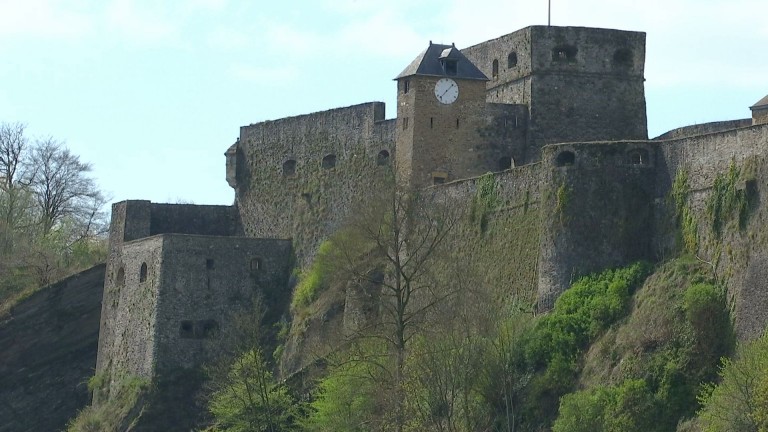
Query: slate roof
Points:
[762, 103]
[429, 63]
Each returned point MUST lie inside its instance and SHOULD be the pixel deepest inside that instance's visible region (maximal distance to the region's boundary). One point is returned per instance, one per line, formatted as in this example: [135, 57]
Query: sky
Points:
[152, 93]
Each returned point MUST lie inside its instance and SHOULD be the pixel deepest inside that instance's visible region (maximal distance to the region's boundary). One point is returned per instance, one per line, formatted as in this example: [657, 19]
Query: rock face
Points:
[47, 353]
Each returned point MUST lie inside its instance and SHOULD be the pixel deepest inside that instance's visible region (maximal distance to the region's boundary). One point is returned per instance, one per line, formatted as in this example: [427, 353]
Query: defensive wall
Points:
[301, 176]
[174, 277]
[580, 84]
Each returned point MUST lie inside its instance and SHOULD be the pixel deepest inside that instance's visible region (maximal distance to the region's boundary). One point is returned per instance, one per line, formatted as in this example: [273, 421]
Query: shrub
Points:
[314, 280]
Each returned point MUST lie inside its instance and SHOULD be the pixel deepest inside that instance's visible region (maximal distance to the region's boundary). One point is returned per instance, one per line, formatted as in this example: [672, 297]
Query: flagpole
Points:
[549, 13]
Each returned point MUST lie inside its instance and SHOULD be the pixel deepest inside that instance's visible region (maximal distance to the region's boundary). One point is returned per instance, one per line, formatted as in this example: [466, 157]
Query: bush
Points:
[314, 280]
[625, 408]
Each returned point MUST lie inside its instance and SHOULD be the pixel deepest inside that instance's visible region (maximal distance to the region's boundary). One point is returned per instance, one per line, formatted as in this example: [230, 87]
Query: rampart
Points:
[302, 175]
[704, 129]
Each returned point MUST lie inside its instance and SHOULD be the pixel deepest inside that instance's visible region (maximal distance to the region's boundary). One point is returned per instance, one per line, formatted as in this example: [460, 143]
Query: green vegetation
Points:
[485, 201]
[562, 197]
[249, 399]
[51, 223]
[685, 218]
[739, 402]
[315, 279]
[118, 412]
[727, 200]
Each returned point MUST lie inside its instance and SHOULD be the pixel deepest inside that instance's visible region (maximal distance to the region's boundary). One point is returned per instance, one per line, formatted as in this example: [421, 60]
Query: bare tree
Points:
[401, 234]
[63, 189]
[15, 176]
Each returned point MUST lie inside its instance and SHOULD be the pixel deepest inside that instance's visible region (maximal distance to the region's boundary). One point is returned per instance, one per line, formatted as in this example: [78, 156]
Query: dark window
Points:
[512, 59]
[255, 264]
[457, 123]
[495, 69]
[289, 168]
[186, 330]
[505, 162]
[206, 328]
[143, 272]
[431, 122]
[638, 157]
[405, 123]
[329, 161]
[209, 264]
[120, 279]
[406, 86]
[564, 53]
[566, 158]
[451, 67]
[382, 158]
[622, 57]
[438, 180]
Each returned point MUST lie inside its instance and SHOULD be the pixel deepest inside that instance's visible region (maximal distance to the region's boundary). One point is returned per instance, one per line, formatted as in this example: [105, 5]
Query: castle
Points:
[556, 113]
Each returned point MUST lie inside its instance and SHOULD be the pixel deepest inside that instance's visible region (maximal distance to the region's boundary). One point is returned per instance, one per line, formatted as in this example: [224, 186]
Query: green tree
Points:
[249, 400]
[738, 403]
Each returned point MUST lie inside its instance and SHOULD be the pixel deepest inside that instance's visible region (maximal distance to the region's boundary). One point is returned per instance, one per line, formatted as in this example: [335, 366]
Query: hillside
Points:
[48, 351]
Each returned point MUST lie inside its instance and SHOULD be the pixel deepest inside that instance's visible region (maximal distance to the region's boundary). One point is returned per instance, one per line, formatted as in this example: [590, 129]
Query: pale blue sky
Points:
[152, 93]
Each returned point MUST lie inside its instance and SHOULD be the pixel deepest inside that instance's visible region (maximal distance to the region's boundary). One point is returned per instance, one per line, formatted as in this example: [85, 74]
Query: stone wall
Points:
[207, 279]
[704, 128]
[740, 253]
[581, 84]
[311, 200]
[597, 211]
[48, 346]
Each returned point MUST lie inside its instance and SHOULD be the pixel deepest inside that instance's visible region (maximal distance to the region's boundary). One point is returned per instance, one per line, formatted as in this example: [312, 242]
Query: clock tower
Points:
[440, 108]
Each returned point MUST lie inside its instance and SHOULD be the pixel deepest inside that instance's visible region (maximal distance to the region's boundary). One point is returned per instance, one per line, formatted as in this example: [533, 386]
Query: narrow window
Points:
[329, 161]
[255, 264]
[406, 86]
[186, 330]
[505, 163]
[566, 158]
[120, 279]
[382, 158]
[431, 122]
[637, 157]
[207, 328]
[622, 57]
[143, 273]
[439, 177]
[457, 123]
[405, 123]
[209, 264]
[512, 60]
[289, 168]
[495, 69]
[564, 53]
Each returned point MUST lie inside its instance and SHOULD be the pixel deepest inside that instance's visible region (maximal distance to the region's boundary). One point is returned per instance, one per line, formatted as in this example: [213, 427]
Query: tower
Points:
[440, 98]
[580, 84]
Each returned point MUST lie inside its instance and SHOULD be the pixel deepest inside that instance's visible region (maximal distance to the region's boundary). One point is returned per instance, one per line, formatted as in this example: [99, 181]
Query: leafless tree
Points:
[63, 189]
[401, 233]
[15, 176]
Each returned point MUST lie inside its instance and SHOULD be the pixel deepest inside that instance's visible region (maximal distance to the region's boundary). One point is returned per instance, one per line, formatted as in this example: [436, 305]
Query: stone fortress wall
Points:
[174, 276]
[299, 177]
[582, 189]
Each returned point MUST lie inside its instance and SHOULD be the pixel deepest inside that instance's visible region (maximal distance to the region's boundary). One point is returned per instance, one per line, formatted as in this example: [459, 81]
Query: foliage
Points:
[623, 408]
[114, 412]
[250, 399]
[314, 280]
[562, 197]
[685, 218]
[727, 200]
[705, 309]
[51, 223]
[738, 403]
[345, 400]
[485, 201]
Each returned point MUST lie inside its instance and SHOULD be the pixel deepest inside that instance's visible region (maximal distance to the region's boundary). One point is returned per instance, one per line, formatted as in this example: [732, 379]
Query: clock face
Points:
[446, 91]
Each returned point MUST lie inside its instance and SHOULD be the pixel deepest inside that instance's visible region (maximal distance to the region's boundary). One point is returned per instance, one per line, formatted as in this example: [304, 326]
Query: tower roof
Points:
[762, 103]
[432, 62]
